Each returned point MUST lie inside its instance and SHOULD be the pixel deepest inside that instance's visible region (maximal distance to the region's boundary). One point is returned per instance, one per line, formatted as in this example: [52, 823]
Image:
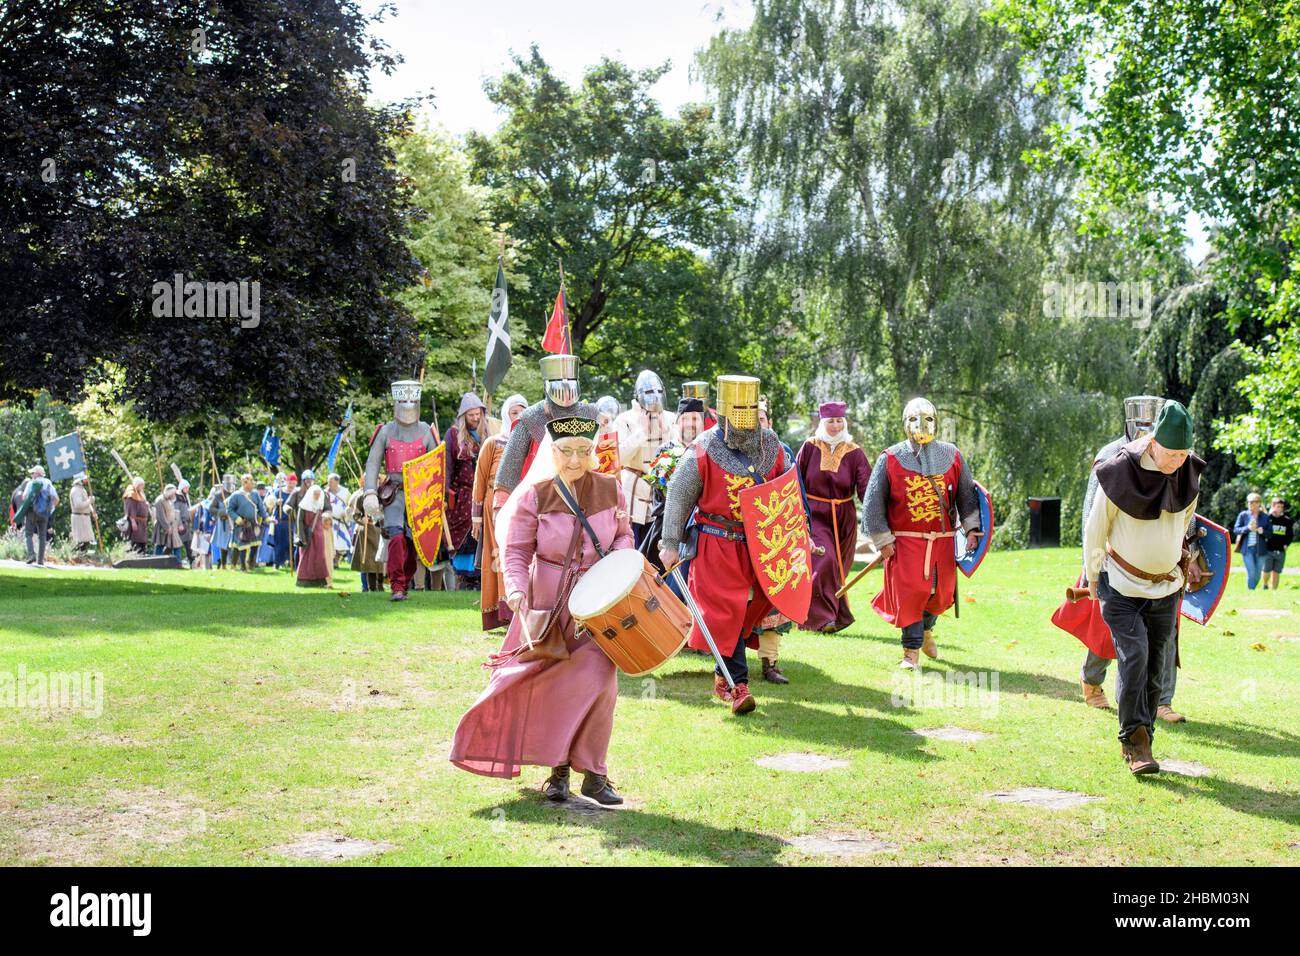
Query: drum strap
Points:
[572, 502]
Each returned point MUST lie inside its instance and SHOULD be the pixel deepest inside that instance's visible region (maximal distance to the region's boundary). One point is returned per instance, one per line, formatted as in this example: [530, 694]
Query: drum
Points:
[633, 618]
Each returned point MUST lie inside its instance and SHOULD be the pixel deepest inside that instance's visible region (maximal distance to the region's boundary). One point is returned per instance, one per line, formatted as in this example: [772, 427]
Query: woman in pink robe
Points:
[315, 557]
[556, 714]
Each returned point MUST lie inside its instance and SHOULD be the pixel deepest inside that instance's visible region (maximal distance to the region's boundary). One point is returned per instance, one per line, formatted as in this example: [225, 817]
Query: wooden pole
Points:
[564, 297]
[94, 512]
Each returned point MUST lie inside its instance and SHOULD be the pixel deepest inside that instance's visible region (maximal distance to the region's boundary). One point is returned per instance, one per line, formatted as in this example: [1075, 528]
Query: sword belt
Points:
[720, 532]
[722, 520]
[930, 538]
[1138, 572]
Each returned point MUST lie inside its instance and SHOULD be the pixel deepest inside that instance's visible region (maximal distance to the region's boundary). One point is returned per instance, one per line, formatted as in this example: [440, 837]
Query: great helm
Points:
[1140, 412]
[650, 391]
[560, 379]
[738, 400]
[919, 421]
[406, 401]
[698, 390]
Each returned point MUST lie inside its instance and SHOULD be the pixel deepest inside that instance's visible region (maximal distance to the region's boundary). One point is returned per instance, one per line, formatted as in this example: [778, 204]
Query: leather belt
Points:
[1138, 572]
[721, 520]
[930, 538]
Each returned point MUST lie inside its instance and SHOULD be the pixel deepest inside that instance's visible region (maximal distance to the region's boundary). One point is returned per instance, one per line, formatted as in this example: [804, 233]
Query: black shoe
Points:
[556, 786]
[30, 561]
[598, 788]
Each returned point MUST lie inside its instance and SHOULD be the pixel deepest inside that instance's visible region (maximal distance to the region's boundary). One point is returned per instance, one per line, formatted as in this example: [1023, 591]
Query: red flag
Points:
[556, 338]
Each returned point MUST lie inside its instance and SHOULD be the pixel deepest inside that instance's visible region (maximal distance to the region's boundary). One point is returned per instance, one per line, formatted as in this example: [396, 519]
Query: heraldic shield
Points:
[1211, 549]
[968, 561]
[776, 532]
[424, 480]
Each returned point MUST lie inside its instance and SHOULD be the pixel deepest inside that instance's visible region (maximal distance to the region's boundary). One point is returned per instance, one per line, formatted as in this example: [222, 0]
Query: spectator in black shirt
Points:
[1279, 536]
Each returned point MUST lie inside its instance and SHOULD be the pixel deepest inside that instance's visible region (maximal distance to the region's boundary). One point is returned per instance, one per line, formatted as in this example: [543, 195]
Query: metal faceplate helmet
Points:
[406, 401]
[920, 423]
[560, 379]
[738, 400]
[229, 482]
[650, 391]
[1140, 412]
[607, 405]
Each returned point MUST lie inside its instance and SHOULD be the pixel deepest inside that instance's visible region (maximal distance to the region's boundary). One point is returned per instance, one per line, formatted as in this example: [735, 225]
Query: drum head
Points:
[608, 582]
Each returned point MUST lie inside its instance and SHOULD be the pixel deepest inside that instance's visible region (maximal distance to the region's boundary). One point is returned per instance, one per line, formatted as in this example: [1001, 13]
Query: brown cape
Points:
[1143, 493]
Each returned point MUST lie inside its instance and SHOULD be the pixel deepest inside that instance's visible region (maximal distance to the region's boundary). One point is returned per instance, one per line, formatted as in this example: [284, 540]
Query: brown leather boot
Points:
[929, 647]
[772, 674]
[1169, 715]
[1094, 695]
[556, 786]
[598, 788]
[1137, 752]
[911, 658]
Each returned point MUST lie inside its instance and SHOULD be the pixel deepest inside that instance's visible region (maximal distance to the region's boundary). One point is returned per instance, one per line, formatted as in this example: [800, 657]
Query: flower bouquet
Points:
[662, 467]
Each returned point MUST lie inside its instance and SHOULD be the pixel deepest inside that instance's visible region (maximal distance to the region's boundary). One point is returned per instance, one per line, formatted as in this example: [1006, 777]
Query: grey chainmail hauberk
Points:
[684, 488]
[534, 420]
[1105, 453]
[931, 459]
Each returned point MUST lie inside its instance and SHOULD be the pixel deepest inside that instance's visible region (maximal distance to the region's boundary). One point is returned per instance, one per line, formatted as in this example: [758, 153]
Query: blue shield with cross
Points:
[65, 457]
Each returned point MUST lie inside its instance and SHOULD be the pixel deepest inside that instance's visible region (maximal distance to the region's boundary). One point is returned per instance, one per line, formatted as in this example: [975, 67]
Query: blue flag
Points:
[338, 438]
[270, 450]
[65, 457]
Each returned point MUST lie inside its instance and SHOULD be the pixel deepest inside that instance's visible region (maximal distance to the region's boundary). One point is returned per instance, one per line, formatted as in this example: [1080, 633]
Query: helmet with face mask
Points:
[406, 401]
[607, 405]
[650, 391]
[1140, 412]
[560, 379]
[920, 423]
[738, 400]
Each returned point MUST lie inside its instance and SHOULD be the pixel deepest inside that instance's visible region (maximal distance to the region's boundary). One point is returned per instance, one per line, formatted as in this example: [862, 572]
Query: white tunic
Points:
[640, 435]
[1153, 545]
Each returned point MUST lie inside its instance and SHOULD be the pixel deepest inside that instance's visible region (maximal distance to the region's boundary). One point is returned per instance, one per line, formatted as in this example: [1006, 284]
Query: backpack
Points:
[42, 503]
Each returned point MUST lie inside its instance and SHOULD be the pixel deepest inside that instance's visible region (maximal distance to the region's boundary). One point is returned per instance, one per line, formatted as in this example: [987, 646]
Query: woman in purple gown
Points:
[835, 472]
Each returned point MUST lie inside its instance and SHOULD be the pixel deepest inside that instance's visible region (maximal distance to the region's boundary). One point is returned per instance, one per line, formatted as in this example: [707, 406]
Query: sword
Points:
[676, 572]
[859, 576]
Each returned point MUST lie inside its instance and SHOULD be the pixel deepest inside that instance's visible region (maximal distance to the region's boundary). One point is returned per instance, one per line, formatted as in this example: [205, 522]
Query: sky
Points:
[449, 48]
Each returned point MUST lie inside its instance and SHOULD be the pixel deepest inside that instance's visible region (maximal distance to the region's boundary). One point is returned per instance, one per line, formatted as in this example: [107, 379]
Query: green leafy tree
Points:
[598, 177]
[457, 247]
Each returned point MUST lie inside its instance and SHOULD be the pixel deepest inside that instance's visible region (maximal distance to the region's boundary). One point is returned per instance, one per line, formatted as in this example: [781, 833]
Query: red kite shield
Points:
[776, 531]
[424, 482]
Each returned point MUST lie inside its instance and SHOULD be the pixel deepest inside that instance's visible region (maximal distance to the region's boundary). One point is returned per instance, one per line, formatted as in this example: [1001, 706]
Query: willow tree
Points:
[885, 140]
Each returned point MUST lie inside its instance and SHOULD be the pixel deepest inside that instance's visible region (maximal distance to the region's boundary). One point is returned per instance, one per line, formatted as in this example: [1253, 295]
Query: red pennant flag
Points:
[556, 338]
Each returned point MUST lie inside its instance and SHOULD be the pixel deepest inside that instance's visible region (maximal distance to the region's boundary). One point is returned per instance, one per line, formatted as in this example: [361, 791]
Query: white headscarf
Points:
[313, 500]
[832, 440]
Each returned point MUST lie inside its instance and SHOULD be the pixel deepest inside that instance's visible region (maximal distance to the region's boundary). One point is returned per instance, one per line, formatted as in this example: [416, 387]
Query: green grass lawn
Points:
[241, 714]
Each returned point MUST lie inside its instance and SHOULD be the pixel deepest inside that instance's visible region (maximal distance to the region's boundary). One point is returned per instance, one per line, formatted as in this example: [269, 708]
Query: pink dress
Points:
[548, 713]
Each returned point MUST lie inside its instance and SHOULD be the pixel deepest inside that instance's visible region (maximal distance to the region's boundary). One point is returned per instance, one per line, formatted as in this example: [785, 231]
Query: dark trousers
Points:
[1142, 628]
[737, 666]
[35, 530]
[914, 633]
